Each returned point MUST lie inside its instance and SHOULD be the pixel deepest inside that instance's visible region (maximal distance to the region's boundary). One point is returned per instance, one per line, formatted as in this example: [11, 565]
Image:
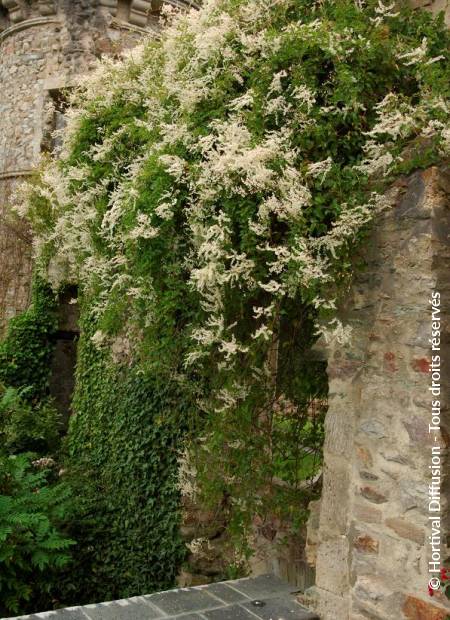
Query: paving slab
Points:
[264, 586]
[175, 602]
[230, 612]
[281, 609]
[127, 609]
[226, 593]
[70, 613]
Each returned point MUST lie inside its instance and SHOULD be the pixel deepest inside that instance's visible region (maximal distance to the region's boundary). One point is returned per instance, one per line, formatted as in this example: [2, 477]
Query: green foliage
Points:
[26, 427]
[33, 504]
[212, 191]
[32, 545]
[123, 445]
[25, 353]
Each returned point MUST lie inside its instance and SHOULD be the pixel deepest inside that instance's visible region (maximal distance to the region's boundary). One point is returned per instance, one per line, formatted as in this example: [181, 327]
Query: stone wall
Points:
[369, 535]
[432, 5]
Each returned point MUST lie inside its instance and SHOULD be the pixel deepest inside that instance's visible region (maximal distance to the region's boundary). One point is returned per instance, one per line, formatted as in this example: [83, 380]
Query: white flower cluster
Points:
[227, 161]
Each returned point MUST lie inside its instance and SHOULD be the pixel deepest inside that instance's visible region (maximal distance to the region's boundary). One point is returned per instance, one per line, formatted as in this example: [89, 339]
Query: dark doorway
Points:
[62, 380]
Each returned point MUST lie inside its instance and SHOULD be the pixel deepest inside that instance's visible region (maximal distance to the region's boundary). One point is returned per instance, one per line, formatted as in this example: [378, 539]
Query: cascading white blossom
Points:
[227, 160]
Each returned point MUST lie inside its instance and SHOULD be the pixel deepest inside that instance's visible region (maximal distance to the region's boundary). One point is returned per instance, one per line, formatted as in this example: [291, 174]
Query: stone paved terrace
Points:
[265, 597]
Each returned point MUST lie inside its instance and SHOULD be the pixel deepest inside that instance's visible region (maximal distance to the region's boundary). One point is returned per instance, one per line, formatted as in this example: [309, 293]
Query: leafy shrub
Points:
[25, 427]
[32, 545]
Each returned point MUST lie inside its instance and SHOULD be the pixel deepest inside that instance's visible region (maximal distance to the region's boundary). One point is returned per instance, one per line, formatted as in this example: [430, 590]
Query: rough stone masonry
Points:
[44, 46]
[369, 534]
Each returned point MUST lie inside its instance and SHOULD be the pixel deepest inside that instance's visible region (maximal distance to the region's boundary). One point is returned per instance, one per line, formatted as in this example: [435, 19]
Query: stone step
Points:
[265, 597]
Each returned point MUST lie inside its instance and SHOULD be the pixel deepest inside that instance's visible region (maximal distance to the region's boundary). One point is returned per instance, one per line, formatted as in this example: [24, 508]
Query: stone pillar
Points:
[372, 539]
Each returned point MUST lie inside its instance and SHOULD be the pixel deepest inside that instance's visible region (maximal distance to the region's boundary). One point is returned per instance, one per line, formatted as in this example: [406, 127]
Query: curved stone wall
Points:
[44, 46]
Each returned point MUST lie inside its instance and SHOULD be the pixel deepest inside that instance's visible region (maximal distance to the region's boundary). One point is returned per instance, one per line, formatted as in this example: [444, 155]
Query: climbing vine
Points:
[122, 462]
[209, 197]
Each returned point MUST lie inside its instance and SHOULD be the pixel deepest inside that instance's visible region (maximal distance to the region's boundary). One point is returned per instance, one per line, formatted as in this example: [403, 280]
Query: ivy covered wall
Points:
[123, 445]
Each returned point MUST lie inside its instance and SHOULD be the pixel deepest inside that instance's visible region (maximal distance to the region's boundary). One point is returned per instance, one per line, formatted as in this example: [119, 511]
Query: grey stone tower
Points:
[44, 46]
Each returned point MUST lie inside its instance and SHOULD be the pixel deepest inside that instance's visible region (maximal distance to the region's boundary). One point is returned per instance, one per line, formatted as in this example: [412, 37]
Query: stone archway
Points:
[370, 534]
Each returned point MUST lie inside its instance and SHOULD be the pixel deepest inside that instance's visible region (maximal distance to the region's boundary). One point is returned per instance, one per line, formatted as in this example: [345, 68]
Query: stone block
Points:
[232, 612]
[71, 613]
[367, 475]
[373, 428]
[417, 609]
[327, 605]
[131, 609]
[226, 594]
[370, 589]
[363, 565]
[339, 429]
[364, 456]
[417, 429]
[366, 513]
[264, 586]
[175, 602]
[413, 494]
[312, 528]
[364, 543]
[332, 569]
[406, 529]
[335, 497]
[373, 495]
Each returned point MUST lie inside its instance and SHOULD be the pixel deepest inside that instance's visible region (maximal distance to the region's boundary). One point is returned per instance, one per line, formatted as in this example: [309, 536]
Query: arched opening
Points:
[4, 18]
[62, 378]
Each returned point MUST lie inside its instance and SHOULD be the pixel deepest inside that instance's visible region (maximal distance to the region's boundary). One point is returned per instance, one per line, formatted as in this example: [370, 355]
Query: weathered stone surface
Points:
[175, 602]
[387, 402]
[416, 609]
[364, 455]
[417, 429]
[367, 513]
[332, 571]
[370, 589]
[367, 475]
[126, 610]
[407, 530]
[326, 604]
[366, 544]
[226, 593]
[373, 495]
[373, 428]
[312, 539]
[264, 586]
[333, 516]
[413, 493]
[339, 431]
